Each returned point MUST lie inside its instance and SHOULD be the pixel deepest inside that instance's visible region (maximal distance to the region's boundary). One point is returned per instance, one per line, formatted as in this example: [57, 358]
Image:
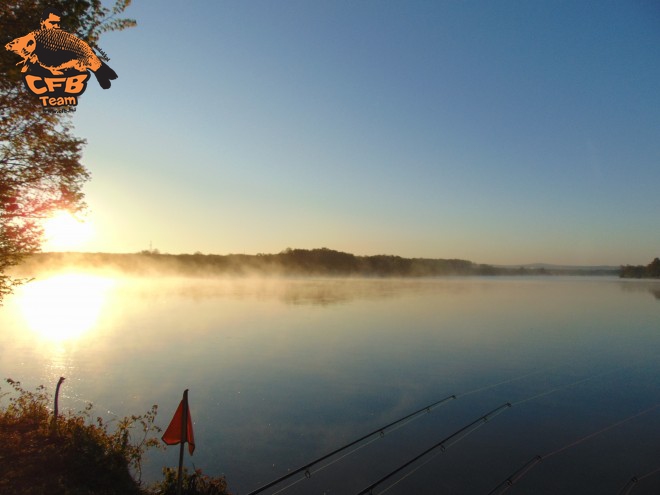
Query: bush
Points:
[73, 455]
[192, 484]
[78, 455]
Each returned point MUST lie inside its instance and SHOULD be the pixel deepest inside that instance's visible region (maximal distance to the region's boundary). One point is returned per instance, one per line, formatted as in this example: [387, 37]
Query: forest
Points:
[289, 262]
[652, 270]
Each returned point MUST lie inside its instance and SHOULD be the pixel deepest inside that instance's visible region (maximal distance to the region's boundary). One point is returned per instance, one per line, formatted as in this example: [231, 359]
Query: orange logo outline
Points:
[56, 64]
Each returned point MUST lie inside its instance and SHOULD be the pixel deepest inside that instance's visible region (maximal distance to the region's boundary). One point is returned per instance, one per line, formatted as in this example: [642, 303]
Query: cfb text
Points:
[73, 85]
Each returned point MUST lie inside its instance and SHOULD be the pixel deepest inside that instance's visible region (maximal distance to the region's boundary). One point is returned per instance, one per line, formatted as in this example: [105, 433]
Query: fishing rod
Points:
[515, 477]
[380, 431]
[428, 408]
[629, 486]
[443, 445]
[636, 479]
[509, 482]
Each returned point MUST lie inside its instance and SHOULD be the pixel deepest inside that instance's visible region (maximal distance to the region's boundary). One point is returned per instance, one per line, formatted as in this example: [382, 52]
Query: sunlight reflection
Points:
[63, 307]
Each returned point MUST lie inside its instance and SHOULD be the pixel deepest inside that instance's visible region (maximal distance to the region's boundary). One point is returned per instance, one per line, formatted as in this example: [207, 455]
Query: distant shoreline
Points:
[291, 262]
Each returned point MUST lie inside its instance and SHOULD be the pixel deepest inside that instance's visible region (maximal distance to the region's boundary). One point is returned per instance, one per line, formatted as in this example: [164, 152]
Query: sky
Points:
[501, 132]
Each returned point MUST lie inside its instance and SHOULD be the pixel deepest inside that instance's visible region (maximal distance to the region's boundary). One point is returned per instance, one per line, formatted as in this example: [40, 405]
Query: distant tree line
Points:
[290, 262]
[652, 270]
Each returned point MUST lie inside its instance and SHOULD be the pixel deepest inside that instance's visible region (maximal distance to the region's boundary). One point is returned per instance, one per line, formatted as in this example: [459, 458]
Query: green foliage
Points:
[75, 455]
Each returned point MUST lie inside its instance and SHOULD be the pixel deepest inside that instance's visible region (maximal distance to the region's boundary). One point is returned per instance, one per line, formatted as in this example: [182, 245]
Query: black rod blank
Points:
[629, 486]
[441, 445]
[511, 480]
[380, 431]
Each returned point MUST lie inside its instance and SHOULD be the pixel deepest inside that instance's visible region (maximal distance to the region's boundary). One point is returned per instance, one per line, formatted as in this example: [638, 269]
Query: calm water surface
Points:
[283, 371]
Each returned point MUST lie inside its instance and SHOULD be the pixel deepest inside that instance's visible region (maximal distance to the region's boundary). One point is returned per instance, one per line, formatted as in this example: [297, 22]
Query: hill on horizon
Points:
[320, 262]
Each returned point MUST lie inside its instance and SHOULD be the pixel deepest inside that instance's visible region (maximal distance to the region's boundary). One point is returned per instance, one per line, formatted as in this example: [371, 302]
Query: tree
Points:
[653, 268]
[40, 167]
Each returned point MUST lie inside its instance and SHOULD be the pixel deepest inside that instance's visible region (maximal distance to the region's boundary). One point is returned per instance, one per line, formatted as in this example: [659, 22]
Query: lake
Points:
[282, 371]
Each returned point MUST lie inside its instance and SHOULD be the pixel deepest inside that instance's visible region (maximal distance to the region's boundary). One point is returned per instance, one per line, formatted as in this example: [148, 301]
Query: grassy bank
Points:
[75, 454]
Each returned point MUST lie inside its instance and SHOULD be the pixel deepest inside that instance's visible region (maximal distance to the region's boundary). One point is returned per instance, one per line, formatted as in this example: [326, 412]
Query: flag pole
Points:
[184, 439]
[180, 430]
[56, 410]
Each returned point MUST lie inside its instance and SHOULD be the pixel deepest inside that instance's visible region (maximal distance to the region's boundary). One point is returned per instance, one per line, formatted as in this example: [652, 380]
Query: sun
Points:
[64, 232]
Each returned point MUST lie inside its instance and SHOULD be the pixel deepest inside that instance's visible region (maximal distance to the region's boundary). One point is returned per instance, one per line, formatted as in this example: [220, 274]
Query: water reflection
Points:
[282, 371]
[63, 307]
[302, 291]
[651, 286]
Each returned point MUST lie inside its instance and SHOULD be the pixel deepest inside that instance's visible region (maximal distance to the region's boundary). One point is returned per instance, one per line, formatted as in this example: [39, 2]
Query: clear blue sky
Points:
[495, 131]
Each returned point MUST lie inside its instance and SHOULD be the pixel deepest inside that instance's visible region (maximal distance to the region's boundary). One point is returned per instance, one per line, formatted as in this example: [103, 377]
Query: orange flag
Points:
[176, 432]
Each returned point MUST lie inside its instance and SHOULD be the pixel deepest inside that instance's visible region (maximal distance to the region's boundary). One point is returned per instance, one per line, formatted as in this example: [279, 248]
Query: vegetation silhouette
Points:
[81, 455]
[290, 262]
[652, 270]
[40, 159]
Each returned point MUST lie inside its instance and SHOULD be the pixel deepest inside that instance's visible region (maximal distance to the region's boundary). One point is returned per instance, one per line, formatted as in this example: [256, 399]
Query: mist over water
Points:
[283, 370]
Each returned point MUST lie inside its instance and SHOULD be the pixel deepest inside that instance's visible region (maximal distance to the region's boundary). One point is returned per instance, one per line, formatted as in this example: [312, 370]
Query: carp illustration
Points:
[57, 51]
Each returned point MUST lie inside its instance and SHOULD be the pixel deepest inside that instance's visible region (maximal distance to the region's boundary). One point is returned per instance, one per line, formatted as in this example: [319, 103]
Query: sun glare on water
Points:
[63, 307]
[64, 232]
